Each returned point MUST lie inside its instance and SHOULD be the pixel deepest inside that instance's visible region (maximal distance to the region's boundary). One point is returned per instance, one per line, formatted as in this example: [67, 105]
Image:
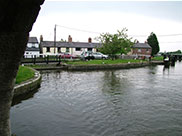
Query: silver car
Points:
[99, 55]
[87, 55]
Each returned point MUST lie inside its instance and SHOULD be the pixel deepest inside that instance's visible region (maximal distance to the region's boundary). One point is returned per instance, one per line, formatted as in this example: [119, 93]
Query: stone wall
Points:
[28, 86]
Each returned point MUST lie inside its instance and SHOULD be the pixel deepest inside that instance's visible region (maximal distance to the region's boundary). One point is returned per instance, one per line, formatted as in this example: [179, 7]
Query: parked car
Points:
[87, 55]
[98, 55]
[67, 55]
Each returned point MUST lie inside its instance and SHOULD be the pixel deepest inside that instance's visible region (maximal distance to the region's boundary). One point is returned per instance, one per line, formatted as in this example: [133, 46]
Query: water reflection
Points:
[166, 70]
[111, 83]
[132, 102]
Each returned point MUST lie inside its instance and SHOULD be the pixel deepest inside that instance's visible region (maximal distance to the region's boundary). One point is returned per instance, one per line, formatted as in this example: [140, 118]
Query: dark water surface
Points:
[134, 102]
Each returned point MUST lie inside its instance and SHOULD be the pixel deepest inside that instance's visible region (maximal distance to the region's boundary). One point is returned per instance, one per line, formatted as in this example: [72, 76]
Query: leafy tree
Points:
[153, 42]
[113, 44]
[62, 40]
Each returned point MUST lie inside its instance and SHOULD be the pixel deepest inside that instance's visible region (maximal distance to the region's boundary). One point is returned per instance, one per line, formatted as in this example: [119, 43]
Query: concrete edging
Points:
[28, 85]
[70, 67]
[112, 66]
[107, 66]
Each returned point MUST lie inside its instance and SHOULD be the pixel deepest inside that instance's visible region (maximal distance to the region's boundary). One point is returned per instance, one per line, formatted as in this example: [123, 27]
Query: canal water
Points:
[133, 102]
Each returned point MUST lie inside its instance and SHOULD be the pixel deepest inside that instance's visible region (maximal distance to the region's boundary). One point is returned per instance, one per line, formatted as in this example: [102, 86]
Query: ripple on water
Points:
[132, 102]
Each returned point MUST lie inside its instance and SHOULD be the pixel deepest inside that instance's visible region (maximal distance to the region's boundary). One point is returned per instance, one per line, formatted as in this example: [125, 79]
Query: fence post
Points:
[34, 60]
[59, 59]
[47, 59]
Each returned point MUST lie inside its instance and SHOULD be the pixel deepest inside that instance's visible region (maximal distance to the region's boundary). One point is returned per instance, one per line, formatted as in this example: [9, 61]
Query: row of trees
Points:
[120, 43]
[175, 52]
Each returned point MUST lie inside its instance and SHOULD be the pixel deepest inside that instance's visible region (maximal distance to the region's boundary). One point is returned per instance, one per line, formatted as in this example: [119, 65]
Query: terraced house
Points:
[74, 48]
[142, 50]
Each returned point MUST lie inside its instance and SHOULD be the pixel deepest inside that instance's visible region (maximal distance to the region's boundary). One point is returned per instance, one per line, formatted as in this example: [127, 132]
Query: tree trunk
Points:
[16, 20]
[12, 46]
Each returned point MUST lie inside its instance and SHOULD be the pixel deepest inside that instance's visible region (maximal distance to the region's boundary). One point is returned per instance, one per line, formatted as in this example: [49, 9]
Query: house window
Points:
[59, 49]
[67, 49]
[89, 49]
[48, 49]
[78, 49]
[139, 50]
[29, 45]
[147, 50]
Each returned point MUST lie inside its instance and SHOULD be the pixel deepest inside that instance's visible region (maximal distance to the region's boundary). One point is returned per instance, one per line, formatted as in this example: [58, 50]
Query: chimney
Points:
[90, 40]
[69, 39]
[146, 42]
[41, 38]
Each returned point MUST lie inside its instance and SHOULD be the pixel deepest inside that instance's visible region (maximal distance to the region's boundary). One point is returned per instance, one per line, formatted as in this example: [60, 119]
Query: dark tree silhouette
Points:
[153, 42]
[16, 20]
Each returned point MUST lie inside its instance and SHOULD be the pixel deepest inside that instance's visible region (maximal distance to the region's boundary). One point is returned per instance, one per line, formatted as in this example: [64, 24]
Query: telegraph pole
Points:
[55, 39]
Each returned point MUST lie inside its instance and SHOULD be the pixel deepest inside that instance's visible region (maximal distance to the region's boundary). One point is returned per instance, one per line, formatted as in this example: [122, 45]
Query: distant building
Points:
[74, 48]
[142, 50]
[32, 48]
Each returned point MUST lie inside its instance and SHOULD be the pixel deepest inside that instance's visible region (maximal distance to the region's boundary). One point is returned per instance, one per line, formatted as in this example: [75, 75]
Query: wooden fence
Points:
[33, 59]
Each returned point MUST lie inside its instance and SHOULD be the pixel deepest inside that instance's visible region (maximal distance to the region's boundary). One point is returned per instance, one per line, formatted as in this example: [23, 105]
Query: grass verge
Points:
[158, 58]
[24, 73]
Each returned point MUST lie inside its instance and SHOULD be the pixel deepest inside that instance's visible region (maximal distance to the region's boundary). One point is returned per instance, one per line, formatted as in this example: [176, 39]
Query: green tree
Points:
[113, 44]
[153, 42]
[176, 52]
[62, 40]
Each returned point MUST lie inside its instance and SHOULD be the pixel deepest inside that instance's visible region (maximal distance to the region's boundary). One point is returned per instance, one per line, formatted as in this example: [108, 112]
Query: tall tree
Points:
[153, 42]
[112, 44]
[16, 20]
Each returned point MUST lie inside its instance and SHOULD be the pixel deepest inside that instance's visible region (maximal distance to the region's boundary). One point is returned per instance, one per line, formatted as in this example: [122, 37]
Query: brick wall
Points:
[142, 51]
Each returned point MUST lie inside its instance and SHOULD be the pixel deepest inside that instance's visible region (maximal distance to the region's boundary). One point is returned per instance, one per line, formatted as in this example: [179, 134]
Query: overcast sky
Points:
[83, 19]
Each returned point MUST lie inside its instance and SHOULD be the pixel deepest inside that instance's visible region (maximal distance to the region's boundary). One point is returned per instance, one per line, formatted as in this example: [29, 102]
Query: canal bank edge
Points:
[109, 66]
[28, 85]
[71, 67]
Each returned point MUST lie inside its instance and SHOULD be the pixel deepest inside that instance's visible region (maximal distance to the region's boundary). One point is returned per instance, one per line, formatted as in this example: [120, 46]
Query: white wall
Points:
[30, 54]
[63, 49]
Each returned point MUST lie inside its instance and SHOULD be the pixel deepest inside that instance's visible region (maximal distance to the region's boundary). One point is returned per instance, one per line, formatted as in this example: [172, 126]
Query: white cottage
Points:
[32, 48]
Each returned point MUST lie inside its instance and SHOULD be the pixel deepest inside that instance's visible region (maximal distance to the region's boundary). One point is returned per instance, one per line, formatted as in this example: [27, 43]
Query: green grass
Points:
[158, 58]
[24, 73]
[117, 61]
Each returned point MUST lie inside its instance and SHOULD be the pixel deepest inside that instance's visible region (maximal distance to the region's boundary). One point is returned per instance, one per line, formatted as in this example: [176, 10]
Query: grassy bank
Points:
[117, 61]
[90, 62]
[24, 73]
[158, 58]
